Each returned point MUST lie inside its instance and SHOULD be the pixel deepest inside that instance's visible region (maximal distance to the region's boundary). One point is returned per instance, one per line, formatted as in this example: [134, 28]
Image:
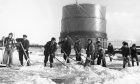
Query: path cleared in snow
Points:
[75, 74]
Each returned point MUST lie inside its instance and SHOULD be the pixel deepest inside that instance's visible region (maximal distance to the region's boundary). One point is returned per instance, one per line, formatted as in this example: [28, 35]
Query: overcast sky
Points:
[41, 19]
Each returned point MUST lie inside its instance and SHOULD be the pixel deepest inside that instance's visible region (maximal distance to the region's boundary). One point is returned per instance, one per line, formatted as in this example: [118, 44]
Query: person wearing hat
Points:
[23, 49]
[49, 52]
[90, 49]
[125, 50]
[9, 44]
[134, 54]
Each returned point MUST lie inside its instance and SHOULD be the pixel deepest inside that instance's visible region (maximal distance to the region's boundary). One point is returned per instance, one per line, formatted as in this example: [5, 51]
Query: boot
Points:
[21, 63]
[68, 61]
[51, 65]
[111, 59]
[45, 65]
[28, 63]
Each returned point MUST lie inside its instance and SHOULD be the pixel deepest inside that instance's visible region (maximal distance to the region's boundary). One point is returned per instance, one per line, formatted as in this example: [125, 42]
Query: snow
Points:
[36, 80]
[75, 74]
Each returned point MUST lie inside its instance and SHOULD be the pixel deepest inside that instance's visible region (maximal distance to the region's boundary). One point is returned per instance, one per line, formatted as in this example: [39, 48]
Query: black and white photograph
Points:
[69, 41]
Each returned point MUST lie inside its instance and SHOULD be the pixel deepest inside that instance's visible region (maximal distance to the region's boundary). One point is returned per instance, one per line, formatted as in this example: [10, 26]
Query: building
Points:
[84, 21]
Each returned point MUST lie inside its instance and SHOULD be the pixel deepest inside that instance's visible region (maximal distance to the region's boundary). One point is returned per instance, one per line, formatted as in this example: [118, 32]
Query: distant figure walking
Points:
[9, 44]
[134, 54]
[110, 51]
[49, 52]
[125, 50]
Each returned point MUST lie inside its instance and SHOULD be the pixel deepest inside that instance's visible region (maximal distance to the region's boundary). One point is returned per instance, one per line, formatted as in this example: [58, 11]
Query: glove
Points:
[53, 55]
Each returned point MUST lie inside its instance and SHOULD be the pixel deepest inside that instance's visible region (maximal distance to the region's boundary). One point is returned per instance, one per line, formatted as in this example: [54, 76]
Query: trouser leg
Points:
[99, 60]
[110, 56]
[51, 60]
[65, 57]
[68, 61]
[21, 57]
[104, 62]
[26, 55]
[78, 57]
[137, 60]
[128, 60]
[46, 59]
[124, 62]
[87, 60]
[92, 58]
[132, 61]
[10, 57]
[5, 57]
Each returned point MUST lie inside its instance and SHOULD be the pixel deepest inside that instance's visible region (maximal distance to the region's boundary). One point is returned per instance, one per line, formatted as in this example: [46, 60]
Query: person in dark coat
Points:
[66, 49]
[23, 49]
[101, 57]
[9, 44]
[97, 49]
[49, 52]
[77, 48]
[134, 54]
[110, 51]
[90, 49]
[125, 50]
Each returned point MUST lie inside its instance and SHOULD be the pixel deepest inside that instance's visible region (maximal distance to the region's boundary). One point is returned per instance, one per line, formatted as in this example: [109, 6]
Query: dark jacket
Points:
[50, 48]
[77, 47]
[110, 49]
[9, 43]
[90, 49]
[125, 51]
[101, 53]
[65, 47]
[133, 51]
[25, 44]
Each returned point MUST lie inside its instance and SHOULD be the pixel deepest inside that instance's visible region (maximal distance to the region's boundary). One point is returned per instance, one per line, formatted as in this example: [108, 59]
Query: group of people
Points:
[129, 54]
[10, 44]
[93, 51]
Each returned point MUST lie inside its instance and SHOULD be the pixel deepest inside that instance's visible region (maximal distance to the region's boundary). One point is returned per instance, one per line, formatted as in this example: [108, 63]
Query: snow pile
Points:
[101, 75]
[32, 68]
[36, 80]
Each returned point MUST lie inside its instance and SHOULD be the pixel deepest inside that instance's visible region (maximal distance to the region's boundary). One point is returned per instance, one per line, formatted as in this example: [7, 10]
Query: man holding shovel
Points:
[23, 50]
[77, 48]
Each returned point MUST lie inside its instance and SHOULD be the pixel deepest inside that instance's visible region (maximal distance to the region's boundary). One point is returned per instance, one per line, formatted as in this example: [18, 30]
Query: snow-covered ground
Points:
[75, 74]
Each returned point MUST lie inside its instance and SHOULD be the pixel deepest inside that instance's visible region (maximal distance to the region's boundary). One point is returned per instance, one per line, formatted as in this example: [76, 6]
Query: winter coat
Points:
[50, 48]
[65, 47]
[125, 51]
[90, 49]
[101, 53]
[25, 44]
[133, 51]
[77, 47]
[110, 49]
[9, 43]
